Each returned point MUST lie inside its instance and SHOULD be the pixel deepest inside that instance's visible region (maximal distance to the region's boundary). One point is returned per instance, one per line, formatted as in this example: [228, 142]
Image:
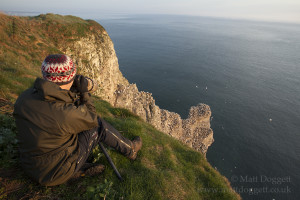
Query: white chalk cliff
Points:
[97, 59]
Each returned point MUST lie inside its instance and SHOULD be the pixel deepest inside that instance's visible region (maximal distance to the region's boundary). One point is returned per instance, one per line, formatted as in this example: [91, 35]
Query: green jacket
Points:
[48, 124]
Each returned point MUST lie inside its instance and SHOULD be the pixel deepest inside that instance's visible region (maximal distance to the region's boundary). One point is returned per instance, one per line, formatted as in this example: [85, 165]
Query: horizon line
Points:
[14, 12]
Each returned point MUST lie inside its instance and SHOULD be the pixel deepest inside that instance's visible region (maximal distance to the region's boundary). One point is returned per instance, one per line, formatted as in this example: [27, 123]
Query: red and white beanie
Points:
[59, 69]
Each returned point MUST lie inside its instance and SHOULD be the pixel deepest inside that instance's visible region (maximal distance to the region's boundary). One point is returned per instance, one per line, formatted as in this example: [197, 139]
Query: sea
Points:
[248, 72]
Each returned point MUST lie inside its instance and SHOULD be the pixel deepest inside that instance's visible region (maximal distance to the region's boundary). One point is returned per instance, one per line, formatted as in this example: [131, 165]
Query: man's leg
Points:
[106, 133]
[87, 140]
[113, 138]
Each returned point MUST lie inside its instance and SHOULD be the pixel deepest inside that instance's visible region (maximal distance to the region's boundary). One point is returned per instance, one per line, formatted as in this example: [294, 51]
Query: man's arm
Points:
[78, 119]
[84, 116]
[80, 86]
[87, 100]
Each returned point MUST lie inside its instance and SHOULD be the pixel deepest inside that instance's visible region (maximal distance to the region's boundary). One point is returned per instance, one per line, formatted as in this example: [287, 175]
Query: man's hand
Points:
[81, 84]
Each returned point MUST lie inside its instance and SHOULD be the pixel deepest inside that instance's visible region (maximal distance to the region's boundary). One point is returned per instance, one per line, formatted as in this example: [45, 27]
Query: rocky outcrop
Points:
[97, 59]
[195, 131]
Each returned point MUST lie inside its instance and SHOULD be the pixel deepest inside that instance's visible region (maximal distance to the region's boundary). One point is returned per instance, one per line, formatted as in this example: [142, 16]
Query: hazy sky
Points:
[273, 10]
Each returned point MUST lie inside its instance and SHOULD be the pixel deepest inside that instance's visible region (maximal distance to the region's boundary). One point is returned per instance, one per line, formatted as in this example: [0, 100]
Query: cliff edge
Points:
[26, 41]
[97, 59]
[164, 169]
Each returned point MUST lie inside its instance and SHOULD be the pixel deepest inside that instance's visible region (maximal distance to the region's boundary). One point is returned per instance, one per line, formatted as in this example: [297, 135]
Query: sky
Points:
[266, 10]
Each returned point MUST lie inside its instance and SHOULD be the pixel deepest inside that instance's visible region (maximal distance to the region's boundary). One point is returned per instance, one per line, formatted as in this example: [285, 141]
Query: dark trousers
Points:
[105, 133]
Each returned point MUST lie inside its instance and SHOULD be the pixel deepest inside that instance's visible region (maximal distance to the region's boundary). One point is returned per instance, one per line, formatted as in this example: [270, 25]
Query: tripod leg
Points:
[110, 162]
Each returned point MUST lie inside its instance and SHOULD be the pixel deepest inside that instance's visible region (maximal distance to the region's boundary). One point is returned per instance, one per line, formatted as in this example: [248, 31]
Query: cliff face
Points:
[97, 59]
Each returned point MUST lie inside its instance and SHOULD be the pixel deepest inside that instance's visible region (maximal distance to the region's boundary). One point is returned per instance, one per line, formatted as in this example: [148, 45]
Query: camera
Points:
[92, 85]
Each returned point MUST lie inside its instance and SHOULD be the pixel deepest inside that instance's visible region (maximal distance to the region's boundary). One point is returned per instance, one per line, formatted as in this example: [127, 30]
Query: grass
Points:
[164, 169]
[25, 41]
[13, 77]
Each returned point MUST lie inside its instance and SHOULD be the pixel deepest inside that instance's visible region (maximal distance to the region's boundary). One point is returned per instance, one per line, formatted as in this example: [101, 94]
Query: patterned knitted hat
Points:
[59, 69]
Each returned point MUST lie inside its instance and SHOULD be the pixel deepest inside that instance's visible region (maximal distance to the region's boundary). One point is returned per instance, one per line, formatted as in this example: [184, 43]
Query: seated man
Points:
[58, 126]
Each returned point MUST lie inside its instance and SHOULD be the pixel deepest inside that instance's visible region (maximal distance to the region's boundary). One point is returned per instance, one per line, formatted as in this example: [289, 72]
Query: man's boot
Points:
[135, 147]
[89, 169]
[94, 169]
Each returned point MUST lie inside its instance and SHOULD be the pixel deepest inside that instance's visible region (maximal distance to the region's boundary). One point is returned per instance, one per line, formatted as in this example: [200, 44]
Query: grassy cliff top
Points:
[26, 41]
[164, 169]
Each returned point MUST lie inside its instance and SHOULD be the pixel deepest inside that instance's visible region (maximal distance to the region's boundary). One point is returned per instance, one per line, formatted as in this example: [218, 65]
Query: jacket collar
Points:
[52, 92]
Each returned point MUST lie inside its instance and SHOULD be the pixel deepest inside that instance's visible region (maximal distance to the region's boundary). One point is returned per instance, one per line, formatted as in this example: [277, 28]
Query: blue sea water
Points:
[249, 74]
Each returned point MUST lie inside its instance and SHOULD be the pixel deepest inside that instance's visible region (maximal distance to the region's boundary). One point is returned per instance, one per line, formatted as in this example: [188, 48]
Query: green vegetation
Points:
[55, 18]
[26, 41]
[164, 169]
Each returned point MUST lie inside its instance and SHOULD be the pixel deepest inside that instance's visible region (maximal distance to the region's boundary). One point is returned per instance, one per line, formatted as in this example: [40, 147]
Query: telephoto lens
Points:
[92, 85]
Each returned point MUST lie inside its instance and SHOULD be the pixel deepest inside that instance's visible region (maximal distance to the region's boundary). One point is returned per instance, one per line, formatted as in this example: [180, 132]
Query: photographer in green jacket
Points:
[58, 126]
